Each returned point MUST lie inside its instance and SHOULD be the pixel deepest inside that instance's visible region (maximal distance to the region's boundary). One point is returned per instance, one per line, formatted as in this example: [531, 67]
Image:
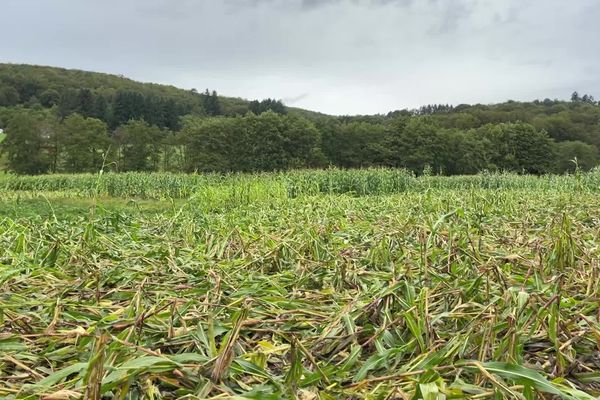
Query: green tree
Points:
[68, 102]
[302, 143]
[100, 109]
[85, 101]
[26, 144]
[259, 107]
[266, 141]
[28, 87]
[585, 154]
[138, 146]
[466, 153]
[170, 114]
[173, 151]
[208, 143]
[9, 96]
[211, 103]
[128, 105]
[356, 144]
[84, 143]
[520, 147]
[49, 98]
[421, 143]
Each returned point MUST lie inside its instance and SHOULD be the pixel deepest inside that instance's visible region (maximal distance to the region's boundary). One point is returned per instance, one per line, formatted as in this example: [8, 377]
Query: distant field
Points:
[312, 285]
[238, 188]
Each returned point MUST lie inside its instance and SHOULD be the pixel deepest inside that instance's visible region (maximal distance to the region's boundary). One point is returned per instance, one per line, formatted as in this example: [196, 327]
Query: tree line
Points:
[73, 121]
[41, 142]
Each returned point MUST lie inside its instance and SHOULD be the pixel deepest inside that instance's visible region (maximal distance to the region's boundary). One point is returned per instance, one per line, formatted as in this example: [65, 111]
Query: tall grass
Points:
[296, 183]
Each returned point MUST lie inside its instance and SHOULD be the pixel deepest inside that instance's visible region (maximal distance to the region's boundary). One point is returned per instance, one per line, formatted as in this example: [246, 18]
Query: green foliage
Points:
[27, 143]
[573, 154]
[157, 111]
[191, 131]
[9, 96]
[337, 284]
[265, 142]
[84, 143]
[519, 147]
[212, 105]
[81, 91]
[49, 98]
[420, 144]
[355, 144]
[138, 146]
[259, 107]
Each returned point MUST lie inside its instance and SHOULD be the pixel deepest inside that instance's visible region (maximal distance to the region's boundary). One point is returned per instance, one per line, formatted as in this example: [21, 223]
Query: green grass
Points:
[287, 184]
[309, 285]
[49, 207]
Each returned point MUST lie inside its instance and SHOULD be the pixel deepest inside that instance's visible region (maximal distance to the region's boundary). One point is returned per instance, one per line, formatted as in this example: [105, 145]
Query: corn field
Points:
[333, 284]
[160, 186]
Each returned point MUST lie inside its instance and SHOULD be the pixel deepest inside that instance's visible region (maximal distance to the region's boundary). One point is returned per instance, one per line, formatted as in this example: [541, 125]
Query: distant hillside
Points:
[26, 84]
[61, 120]
[33, 80]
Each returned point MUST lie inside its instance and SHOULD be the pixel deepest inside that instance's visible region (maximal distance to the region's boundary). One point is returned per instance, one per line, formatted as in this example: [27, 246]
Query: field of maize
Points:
[306, 285]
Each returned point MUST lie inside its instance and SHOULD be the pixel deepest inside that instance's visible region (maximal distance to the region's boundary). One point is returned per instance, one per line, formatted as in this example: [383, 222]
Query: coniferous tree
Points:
[68, 102]
[259, 107]
[170, 115]
[211, 103]
[100, 109]
[86, 103]
[215, 104]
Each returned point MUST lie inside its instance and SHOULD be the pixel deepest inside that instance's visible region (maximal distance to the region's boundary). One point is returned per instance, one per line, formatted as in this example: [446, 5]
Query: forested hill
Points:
[59, 120]
[99, 95]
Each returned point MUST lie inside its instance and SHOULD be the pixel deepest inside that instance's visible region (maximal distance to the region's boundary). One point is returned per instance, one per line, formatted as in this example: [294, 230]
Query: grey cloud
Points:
[451, 15]
[295, 99]
[352, 56]
[313, 4]
[317, 3]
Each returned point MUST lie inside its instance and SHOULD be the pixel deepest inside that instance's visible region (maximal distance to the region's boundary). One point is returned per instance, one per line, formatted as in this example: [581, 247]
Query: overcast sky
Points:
[334, 56]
